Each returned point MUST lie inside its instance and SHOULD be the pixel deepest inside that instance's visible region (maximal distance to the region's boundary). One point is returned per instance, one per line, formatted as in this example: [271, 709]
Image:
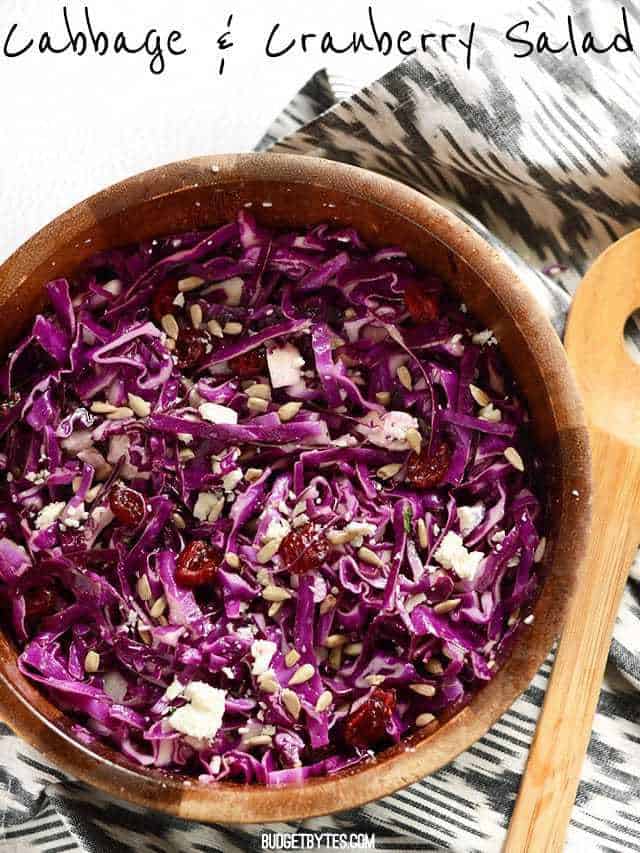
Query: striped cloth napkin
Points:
[547, 158]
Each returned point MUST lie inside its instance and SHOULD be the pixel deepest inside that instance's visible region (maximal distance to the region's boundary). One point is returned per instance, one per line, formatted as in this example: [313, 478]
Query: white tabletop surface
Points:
[72, 125]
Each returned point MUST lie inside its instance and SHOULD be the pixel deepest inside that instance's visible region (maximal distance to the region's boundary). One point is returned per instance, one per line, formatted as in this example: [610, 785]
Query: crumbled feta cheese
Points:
[115, 686]
[206, 503]
[202, 716]
[231, 480]
[284, 365]
[484, 337]
[233, 290]
[217, 414]
[179, 300]
[490, 413]
[452, 554]
[469, 517]
[74, 516]
[262, 651]
[49, 514]
[277, 529]
[389, 430]
[173, 690]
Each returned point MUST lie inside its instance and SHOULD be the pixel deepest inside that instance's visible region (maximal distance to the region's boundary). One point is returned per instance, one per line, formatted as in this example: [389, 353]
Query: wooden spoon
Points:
[610, 385]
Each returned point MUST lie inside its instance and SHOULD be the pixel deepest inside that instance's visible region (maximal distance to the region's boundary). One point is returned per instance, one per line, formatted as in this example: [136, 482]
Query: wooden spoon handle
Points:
[548, 789]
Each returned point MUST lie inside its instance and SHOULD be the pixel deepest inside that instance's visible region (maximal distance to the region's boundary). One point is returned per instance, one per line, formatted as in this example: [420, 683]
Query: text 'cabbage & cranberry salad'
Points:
[267, 502]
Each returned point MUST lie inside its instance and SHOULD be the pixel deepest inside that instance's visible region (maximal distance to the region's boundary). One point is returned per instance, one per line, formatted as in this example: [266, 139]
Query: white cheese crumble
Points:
[74, 516]
[484, 337]
[217, 414]
[284, 365]
[262, 652]
[179, 300]
[206, 503]
[49, 514]
[278, 528]
[202, 716]
[469, 517]
[231, 480]
[173, 690]
[389, 430]
[452, 554]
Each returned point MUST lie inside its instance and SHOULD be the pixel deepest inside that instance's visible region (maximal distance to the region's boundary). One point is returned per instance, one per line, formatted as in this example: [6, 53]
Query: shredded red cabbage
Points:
[268, 501]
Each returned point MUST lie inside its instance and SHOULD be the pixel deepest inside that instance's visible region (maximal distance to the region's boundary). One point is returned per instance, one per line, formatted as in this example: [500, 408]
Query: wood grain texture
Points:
[302, 191]
[610, 385]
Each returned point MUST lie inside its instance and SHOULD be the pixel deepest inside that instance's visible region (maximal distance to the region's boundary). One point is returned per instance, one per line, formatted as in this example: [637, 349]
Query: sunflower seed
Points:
[259, 390]
[292, 657]
[335, 657]
[100, 408]
[414, 600]
[178, 520]
[512, 456]
[291, 703]
[258, 740]
[383, 397]
[267, 683]
[288, 411]
[352, 649]
[374, 680]
[232, 328]
[481, 398]
[334, 640]
[424, 719]
[232, 560]
[324, 700]
[414, 440]
[275, 593]
[302, 674]
[253, 474]
[257, 405]
[423, 689]
[434, 667]
[447, 606]
[328, 604]
[120, 414]
[140, 407]
[192, 282]
[92, 662]
[405, 377]
[144, 589]
[423, 539]
[388, 471]
[370, 557]
[268, 551]
[158, 608]
[539, 552]
[195, 312]
[215, 328]
[170, 326]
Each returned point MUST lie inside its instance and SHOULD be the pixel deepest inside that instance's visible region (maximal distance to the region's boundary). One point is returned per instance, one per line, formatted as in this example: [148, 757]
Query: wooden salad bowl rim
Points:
[293, 191]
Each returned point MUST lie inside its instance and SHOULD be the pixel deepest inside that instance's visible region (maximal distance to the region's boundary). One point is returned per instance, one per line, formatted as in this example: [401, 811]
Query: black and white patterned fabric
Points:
[544, 160]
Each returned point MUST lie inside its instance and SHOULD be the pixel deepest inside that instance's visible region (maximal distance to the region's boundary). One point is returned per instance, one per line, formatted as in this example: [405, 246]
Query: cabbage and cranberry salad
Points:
[268, 501]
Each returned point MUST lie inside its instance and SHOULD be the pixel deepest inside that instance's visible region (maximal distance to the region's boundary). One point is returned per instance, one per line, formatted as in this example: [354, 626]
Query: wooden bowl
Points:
[298, 191]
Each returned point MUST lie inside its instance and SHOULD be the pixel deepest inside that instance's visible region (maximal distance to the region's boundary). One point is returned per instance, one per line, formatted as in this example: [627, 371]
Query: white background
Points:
[72, 125]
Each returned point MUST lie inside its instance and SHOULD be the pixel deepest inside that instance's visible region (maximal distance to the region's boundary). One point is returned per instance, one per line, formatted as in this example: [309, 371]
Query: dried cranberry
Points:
[422, 305]
[126, 504]
[198, 563]
[39, 601]
[249, 364]
[191, 347]
[427, 469]
[304, 549]
[162, 299]
[367, 725]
